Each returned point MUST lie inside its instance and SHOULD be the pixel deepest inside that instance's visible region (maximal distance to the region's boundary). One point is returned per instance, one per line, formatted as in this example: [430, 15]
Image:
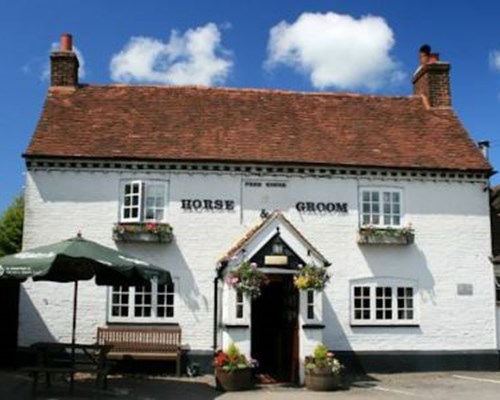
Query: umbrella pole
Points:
[73, 333]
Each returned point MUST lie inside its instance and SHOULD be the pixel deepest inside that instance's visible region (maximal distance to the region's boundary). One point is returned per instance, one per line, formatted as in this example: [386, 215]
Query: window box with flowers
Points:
[233, 372]
[386, 235]
[149, 232]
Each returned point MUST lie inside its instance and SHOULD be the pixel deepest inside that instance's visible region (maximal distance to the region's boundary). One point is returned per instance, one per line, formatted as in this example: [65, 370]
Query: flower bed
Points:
[397, 236]
[139, 232]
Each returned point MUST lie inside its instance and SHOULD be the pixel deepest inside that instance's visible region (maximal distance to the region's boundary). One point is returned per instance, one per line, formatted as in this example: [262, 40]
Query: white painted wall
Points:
[451, 221]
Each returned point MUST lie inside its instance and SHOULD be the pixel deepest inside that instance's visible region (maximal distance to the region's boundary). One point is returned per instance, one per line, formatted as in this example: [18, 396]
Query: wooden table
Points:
[64, 358]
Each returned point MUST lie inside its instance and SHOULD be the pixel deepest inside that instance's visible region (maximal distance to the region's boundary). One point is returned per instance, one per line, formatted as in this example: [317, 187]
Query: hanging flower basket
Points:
[138, 232]
[396, 236]
[311, 277]
[247, 279]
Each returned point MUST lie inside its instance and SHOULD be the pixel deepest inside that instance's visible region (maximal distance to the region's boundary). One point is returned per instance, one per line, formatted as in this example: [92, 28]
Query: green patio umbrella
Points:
[78, 259]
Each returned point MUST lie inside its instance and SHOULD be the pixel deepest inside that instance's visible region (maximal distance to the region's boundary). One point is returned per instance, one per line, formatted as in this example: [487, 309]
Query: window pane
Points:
[375, 197]
[395, 197]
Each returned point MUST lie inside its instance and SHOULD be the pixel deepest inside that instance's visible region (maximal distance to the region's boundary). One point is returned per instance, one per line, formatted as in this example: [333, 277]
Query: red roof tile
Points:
[247, 125]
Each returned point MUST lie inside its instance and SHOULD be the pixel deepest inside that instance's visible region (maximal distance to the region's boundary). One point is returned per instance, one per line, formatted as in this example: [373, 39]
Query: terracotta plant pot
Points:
[237, 380]
[322, 380]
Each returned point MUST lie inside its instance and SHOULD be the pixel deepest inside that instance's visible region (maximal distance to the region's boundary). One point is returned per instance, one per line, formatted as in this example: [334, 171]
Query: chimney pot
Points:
[66, 42]
[484, 146]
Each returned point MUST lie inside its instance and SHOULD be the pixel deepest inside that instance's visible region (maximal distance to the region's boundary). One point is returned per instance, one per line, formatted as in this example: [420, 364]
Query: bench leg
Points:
[35, 382]
[71, 382]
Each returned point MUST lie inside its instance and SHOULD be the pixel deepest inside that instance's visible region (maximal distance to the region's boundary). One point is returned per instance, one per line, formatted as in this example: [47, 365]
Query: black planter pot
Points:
[240, 379]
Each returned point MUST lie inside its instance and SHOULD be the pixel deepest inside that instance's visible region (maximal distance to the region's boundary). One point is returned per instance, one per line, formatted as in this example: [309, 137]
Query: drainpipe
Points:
[218, 272]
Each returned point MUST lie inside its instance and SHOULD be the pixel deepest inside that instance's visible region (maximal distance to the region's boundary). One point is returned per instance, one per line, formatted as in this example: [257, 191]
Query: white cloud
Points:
[45, 75]
[336, 50]
[195, 57]
[495, 60]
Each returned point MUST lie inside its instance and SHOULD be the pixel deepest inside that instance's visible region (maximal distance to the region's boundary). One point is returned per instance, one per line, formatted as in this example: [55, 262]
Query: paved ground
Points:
[456, 386]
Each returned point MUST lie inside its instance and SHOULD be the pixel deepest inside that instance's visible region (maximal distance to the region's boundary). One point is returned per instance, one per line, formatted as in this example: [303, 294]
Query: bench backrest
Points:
[132, 340]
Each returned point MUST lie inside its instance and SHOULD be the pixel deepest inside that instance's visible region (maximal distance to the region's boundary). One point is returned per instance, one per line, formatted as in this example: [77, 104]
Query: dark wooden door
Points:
[9, 317]
[274, 329]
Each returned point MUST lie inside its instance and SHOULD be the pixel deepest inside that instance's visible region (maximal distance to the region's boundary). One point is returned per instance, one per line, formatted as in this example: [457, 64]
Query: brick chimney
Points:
[432, 79]
[64, 64]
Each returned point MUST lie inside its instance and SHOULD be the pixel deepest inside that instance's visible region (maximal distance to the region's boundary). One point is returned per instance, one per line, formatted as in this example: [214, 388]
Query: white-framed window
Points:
[383, 302]
[310, 305]
[381, 206]
[240, 304]
[143, 201]
[236, 307]
[146, 303]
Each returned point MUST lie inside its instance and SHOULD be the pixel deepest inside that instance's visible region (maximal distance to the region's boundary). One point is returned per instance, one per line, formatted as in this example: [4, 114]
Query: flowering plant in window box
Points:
[232, 369]
[323, 371]
[247, 279]
[371, 234]
[142, 232]
[311, 277]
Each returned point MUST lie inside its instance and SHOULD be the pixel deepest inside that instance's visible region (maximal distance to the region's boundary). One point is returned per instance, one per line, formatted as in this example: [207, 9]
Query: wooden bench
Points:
[158, 343]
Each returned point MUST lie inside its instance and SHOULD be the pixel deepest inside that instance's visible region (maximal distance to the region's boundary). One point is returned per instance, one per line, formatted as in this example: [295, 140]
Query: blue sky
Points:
[227, 43]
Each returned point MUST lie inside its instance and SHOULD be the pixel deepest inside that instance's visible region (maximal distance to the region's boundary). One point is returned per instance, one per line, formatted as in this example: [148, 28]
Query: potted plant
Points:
[311, 277]
[247, 279]
[233, 372]
[323, 371]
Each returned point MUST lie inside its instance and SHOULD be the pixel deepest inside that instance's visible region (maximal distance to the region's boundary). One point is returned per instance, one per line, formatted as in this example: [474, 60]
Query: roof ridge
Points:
[246, 90]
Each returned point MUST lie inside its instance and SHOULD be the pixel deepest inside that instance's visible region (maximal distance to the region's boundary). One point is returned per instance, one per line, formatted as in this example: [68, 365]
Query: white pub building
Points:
[388, 192]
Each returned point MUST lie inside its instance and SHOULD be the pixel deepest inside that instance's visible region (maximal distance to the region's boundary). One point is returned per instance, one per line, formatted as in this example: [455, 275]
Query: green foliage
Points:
[320, 352]
[248, 279]
[231, 360]
[323, 361]
[11, 227]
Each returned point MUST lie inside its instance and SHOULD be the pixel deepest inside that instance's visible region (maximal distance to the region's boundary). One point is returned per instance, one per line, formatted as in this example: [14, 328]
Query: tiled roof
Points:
[250, 125]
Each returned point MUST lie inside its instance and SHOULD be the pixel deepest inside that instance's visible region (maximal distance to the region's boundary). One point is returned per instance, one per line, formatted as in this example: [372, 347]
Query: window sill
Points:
[313, 326]
[385, 325]
[236, 326]
[145, 321]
